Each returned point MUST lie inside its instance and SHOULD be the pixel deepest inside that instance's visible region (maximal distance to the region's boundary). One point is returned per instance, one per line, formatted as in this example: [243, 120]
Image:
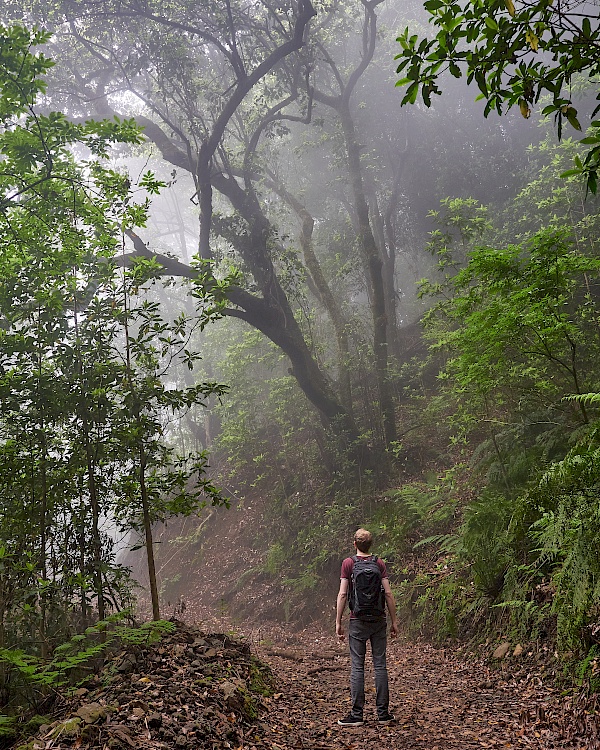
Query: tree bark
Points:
[322, 289]
[371, 256]
[374, 265]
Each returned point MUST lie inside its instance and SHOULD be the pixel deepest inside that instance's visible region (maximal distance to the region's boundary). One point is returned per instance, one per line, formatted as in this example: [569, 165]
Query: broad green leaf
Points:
[571, 115]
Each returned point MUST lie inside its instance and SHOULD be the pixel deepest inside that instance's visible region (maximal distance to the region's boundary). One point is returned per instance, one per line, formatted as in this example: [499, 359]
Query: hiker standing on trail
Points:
[365, 586]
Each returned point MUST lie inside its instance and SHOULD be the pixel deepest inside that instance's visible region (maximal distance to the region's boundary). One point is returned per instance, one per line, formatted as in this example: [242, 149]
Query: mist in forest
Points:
[239, 274]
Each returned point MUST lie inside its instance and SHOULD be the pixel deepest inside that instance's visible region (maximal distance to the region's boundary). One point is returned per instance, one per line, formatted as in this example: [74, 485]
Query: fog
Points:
[289, 168]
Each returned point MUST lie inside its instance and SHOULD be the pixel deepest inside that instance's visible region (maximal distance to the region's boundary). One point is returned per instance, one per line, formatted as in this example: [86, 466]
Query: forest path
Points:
[441, 701]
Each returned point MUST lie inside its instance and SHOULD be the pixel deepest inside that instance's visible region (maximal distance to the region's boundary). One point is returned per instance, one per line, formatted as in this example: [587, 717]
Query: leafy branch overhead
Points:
[517, 53]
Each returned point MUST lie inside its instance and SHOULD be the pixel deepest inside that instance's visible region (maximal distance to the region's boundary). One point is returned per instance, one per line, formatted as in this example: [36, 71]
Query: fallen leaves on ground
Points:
[442, 700]
[190, 690]
[194, 690]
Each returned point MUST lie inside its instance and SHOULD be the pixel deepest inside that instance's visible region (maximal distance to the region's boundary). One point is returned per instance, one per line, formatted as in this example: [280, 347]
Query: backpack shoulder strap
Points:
[375, 558]
[354, 558]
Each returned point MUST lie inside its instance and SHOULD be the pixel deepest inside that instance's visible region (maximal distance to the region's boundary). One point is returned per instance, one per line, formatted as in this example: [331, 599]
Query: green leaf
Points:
[586, 28]
[571, 115]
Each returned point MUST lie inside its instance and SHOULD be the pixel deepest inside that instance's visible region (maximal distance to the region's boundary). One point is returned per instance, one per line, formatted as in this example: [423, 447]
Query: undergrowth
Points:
[522, 561]
[29, 678]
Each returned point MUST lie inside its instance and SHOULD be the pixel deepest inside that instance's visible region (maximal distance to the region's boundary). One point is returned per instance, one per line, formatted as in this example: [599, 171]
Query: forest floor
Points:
[442, 698]
[199, 690]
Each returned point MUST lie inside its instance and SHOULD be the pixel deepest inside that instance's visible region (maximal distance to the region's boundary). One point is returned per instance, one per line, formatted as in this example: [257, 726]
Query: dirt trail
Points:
[441, 702]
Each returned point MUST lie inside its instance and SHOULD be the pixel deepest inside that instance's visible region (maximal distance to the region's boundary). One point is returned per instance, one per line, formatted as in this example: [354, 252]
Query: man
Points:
[362, 629]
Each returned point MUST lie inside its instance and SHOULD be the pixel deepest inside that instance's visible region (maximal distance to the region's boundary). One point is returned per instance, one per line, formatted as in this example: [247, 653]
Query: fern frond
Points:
[584, 398]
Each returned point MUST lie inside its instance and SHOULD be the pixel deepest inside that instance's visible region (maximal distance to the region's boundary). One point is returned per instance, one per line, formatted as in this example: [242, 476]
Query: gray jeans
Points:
[359, 632]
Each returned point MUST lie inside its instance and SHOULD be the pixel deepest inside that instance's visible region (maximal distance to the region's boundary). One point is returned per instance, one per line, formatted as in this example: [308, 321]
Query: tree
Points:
[242, 50]
[219, 90]
[517, 53]
[72, 404]
[517, 323]
[57, 231]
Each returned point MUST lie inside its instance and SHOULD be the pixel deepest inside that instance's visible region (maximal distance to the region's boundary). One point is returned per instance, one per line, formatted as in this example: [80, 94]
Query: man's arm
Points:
[391, 605]
[340, 606]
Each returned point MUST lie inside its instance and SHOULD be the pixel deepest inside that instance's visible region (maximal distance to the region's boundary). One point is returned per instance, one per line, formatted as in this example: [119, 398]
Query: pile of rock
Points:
[190, 690]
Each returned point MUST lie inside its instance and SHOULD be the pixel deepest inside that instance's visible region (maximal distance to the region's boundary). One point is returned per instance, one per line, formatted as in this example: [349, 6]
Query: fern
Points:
[567, 531]
[78, 651]
[584, 398]
[446, 543]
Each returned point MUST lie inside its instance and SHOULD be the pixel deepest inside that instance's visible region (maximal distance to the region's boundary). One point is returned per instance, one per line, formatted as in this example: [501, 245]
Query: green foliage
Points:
[514, 53]
[275, 559]
[417, 510]
[8, 728]
[515, 332]
[84, 414]
[587, 670]
[565, 533]
[266, 430]
[80, 650]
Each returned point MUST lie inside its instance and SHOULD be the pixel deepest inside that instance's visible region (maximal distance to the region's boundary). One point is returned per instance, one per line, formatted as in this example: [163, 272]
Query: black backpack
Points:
[367, 598]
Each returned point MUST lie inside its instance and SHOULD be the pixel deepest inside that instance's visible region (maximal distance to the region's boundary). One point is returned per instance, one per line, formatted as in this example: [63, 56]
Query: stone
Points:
[155, 720]
[228, 689]
[90, 713]
[127, 664]
[502, 650]
[518, 650]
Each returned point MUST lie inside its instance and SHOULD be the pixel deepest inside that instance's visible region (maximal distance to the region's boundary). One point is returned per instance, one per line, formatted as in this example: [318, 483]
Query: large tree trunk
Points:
[374, 265]
[209, 165]
[322, 290]
[273, 316]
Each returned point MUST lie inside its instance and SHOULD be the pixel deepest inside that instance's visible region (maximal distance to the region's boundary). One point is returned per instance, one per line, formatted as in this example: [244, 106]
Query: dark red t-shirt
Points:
[348, 567]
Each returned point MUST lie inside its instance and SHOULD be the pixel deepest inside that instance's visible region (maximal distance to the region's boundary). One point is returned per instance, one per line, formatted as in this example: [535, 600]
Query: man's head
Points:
[363, 540]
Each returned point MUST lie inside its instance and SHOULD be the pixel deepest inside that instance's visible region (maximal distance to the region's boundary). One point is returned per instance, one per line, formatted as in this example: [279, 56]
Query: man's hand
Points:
[339, 629]
[394, 629]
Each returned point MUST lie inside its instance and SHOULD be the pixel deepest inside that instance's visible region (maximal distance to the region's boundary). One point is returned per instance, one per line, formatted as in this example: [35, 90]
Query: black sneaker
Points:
[350, 721]
[386, 718]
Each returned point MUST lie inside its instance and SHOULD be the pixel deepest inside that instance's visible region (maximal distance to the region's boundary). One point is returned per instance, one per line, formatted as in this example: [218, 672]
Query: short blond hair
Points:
[363, 539]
